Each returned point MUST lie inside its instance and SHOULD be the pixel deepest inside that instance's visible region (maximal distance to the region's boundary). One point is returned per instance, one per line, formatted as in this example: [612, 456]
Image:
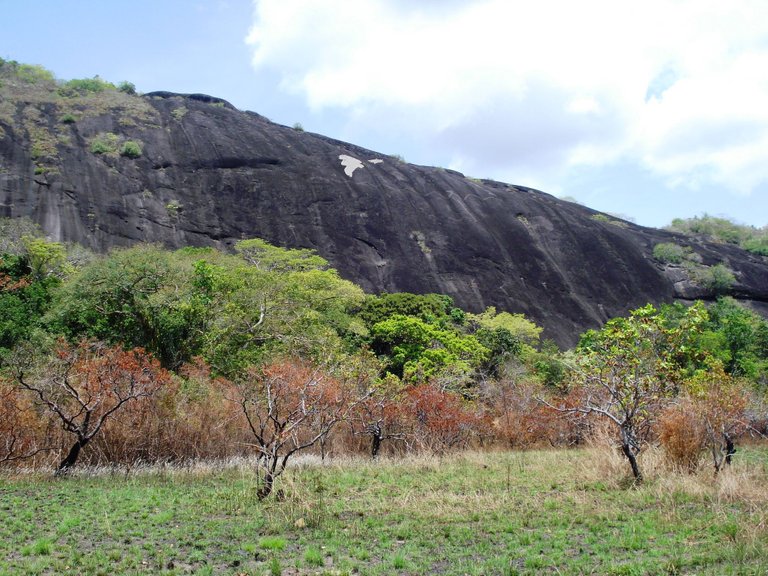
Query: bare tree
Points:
[380, 416]
[627, 396]
[83, 386]
[289, 406]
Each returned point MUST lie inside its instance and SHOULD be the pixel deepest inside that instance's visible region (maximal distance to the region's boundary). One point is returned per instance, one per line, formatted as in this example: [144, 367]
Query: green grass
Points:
[556, 512]
[313, 557]
[272, 543]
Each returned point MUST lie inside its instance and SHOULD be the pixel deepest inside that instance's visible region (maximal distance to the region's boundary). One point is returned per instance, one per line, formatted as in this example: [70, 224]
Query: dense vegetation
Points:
[146, 354]
[723, 230]
[150, 354]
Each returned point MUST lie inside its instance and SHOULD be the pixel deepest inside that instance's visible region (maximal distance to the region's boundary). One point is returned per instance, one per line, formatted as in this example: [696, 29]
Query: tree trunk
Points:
[716, 457]
[627, 449]
[375, 441]
[69, 461]
[267, 485]
[730, 449]
[322, 447]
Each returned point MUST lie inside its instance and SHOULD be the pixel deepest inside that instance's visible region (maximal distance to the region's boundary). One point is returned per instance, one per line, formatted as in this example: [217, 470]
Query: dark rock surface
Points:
[211, 175]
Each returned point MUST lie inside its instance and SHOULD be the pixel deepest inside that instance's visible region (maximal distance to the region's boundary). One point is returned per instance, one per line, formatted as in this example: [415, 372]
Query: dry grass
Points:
[744, 482]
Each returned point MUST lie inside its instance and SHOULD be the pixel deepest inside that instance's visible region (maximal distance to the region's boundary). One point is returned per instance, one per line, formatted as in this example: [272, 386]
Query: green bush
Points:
[33, 74]
[105, 143]
[719, 229]
[718, 278]
[757, 245]
[608, 220]
[669, 253]
[179, 112]
[83, 86]
[100, 147]
[749, 238]
[68, 119]
[131, 149]
[127, 87]
[173, 208]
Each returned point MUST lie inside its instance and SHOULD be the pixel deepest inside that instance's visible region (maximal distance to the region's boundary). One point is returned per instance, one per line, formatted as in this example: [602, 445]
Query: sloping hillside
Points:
[105, 167]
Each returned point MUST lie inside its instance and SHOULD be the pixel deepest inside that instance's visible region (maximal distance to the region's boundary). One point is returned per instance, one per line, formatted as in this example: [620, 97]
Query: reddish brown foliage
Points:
[721, 403]
[21, 427]
[521, 420]
[681, 434]
[289, 406]
[8, 284]
[440, 420]
[711, 416]
[83, 386]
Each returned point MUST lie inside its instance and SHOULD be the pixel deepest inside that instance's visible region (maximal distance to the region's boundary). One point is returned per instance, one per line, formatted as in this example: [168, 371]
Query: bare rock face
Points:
[208, 174]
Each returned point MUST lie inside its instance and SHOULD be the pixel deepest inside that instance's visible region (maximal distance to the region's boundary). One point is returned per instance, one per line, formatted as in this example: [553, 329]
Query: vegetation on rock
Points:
[723, 230]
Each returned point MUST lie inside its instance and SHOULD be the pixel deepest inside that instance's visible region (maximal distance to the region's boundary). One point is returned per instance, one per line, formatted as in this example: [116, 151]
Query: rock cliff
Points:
[112, 169]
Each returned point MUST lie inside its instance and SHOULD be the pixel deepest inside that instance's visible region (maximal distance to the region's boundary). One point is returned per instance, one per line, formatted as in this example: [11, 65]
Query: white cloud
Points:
[534, 89]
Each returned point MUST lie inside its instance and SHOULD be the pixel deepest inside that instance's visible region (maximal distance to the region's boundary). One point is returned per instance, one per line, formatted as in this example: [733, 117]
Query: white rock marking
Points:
[350, 164]
[376, 161]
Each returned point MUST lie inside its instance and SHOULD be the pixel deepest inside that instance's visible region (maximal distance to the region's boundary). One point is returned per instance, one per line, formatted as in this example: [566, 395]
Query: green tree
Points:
[266, 257]
[431, 308]
[416, 350]
[510, 339]
[12, 234]
[273, 301]
[740, 339]
[24, 299]
[46, 258]
[127, 87]
[628, 369]
[517, 325]
[141, 297]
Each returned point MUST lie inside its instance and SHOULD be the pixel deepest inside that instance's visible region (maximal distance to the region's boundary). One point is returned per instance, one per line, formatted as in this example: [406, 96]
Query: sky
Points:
[652, 110]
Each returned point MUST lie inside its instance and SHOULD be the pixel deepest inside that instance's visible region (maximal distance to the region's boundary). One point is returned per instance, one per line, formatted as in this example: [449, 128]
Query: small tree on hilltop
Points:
[83, 386]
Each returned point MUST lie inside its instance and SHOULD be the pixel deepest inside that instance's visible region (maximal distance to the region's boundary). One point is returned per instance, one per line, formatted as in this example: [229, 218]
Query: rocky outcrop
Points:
[208, 174]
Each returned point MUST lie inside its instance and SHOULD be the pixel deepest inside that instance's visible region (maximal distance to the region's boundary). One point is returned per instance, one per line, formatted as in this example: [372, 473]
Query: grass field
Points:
[553, 512]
